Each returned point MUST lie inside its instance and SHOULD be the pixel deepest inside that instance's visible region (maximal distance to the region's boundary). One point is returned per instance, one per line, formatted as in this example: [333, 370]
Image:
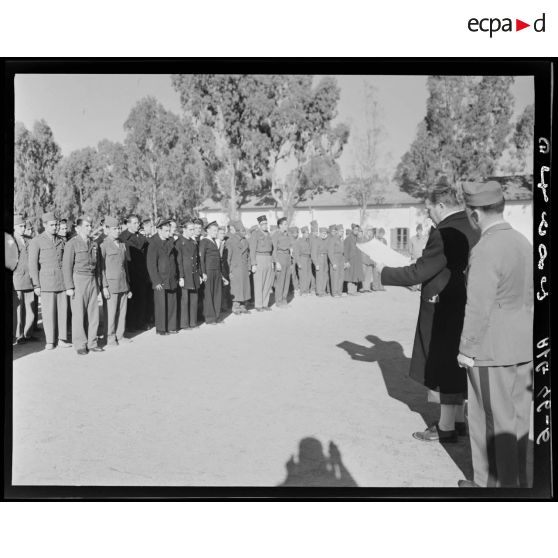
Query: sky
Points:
[83, 109]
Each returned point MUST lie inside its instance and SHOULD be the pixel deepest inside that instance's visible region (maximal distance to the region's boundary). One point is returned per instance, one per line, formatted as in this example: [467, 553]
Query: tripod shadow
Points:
[313, 468]
[394, 366]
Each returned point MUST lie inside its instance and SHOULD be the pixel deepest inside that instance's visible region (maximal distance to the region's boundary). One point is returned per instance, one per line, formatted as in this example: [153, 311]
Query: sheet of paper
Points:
[380, 253]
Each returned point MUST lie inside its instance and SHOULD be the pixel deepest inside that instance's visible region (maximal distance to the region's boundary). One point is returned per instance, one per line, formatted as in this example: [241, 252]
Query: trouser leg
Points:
[91, 304]
[268, 281]
[160, 309]
[184, 309]
[62, 315]
[121, 315]
[193, 309]
[112, 309]
[172, 322]
[79, 311]
[522, 394]
[258, 287]
[48, 310]
[25, 313]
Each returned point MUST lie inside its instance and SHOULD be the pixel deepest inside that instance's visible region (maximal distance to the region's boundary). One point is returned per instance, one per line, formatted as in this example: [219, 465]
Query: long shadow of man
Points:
[313, 468]
[394, 366]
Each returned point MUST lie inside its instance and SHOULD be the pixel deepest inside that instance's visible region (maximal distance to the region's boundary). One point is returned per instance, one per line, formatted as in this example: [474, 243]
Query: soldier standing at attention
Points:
[336, 262]
[222, 245]
[282, 244]
[23, 286]
[81, 268]
[189, 276]
[210, 263]
[496, 344]
[238, 261]
[354, 271]
[45, 267]
[163, 272]
[319, 258]
[303, 259]
[116, 284]
[293, 233]
[262, 264]
[314, 237]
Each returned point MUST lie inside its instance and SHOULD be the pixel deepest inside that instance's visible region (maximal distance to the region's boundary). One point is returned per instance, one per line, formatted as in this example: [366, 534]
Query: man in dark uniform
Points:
[190, 275]
[354, 273]
[293, 232]
[163, 272]
[313, 237]
[261, 247]
[115, 281]
[238, 261]
[45, 267]
[281, 255]
[140, 287]
[198, 235]
[303, 259]
[210, 263]
[81, 270]
[23, 286]
[441, 270]
[103, 316]
[319, 258]
[222, 245]
[336, 261]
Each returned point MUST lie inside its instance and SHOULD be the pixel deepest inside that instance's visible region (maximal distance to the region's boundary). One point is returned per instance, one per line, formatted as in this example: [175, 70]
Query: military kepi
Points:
[481, 194]
[212, 224]
[262, 219]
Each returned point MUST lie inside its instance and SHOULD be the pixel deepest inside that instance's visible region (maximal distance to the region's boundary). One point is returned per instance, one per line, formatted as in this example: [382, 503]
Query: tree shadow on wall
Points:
[314, 468]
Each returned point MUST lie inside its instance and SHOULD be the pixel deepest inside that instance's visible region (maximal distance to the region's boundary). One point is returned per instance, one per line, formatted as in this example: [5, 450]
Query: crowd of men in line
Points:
[156, 273]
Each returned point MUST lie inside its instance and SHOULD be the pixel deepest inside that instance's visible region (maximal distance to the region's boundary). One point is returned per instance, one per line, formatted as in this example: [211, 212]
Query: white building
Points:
[398, 214]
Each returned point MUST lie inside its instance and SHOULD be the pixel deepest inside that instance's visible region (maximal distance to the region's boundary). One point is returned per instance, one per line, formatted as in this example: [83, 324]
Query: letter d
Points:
[536, 24]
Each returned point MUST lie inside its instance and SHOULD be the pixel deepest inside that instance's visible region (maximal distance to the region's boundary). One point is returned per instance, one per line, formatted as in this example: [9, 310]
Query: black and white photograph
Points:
[279, 281]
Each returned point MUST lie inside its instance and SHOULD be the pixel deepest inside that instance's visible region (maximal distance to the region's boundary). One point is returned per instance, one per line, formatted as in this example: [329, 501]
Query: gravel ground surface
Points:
[315, 395]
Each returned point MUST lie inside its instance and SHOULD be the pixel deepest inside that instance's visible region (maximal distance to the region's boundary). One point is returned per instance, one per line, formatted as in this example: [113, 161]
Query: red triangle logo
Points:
[519, 25]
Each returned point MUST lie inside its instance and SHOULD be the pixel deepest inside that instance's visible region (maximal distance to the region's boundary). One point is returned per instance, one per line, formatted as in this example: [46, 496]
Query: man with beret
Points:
[336, 262]
[140, 286]
[238, 262]
[261, 247]
[116, 283]
[81, 280]
[281, 255]
[354, 273]
[45, 268]
[293, 233]
[319, 259]
[163, 273]
[23, 286]
[302, 255]
[189, 276]
[496, 343]
[210, 263]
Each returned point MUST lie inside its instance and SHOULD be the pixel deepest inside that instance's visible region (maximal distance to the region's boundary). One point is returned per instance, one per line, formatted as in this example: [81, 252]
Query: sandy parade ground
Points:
[255, 401]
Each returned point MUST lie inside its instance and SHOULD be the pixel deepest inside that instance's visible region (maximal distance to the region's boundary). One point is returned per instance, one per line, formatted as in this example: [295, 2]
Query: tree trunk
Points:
[233, 204]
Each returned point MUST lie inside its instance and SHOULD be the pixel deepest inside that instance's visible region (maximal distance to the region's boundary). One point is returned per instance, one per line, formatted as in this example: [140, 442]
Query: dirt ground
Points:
[313, 395]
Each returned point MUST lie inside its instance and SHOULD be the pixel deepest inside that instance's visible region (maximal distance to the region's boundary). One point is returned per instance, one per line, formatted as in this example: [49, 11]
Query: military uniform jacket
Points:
[188, 262]
[355, 272]
[21, 278]
[161, 262]
[335, 250]
[319, 251]
[136, 253]
[80, 257]
[301, 250]
[260, 243]
[282, 243]
[45, 262]
[114, 266]
[210, 256]
[498, 325]
[238, 260]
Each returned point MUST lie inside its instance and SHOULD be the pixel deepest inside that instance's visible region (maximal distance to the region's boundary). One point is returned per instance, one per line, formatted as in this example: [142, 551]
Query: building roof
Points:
[515, 188]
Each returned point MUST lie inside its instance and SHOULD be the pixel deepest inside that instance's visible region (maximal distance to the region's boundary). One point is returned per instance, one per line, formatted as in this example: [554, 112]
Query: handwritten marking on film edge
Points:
[544, 405]
[542, 184]
[544, 146]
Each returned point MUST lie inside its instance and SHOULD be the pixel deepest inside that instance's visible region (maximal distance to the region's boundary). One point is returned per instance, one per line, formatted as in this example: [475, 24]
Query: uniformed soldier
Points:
[336, 261]
[210, 263]
[99, 237]
[293, 233]
[81, 279]
[163, 272]
[173, 230]
[281, 255]
[189, 276]
[313, 237]
[238, 260]
[45, 267]
[261, 247]
[341, 232]
[319, 258]
[23, 286]
[354, 273]
[222, 245]
[303, 258]
[116, 283]
[496, 343]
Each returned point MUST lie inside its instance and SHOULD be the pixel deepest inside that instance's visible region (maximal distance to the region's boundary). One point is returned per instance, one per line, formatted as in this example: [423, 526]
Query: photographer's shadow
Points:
[313, 468]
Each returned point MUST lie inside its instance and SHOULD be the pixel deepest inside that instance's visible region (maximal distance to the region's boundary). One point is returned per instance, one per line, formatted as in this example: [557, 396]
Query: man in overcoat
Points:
[45, 267]
[441, 270]
[163, 272]
[238, 261]
[116, 282]
[189, 276]
[354, 273]
[336, 261]
[496, 343]
[261, 247]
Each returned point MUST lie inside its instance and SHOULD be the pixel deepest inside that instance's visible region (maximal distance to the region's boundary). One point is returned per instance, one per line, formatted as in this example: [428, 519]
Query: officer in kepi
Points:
[82, 286]
[262, 264]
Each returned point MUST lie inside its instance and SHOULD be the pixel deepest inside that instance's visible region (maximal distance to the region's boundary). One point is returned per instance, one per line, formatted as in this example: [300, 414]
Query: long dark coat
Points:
[441, 270]
[161, 262]
[188, 262]
[355, 272]
[238, 260]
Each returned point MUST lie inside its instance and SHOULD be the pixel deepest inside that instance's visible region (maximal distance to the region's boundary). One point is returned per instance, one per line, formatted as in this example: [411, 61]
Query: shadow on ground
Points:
[313, 468]
[394, 366]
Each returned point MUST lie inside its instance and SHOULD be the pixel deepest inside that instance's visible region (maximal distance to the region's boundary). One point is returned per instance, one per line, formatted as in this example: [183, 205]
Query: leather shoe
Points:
[434, 434]
[64, 344]
[461, 428]
[82, 351]
[467, 484]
